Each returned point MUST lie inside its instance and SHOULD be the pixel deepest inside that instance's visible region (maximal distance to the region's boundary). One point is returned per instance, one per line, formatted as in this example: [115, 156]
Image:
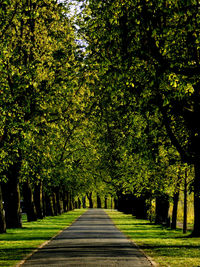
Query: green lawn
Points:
[166, 247]
[17, 243]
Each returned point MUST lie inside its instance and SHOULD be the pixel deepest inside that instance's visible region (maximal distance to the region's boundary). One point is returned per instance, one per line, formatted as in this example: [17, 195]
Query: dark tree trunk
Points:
[2, 214]
[196, 230]
[71, 201]
[79, 203]
[59, 202]
[185, 204]
[68, 200]
[162, 209]
[38, 200]
[11, 197]
[98, 202]
[49, 205]
[116, 203]
[175, 202]
[106, 203]
[140, 207]
[175, 210]
[55, 207]
[28, 201]
[89, 196]
[84, 202]
[64, 198]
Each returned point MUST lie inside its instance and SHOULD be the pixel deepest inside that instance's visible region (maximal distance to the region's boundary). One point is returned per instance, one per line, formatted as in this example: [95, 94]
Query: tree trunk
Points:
[2, 214]
[116, 203]
[49, 205]
[79, 203]
[175, 201]
[64, 198]
[98, 202]
[59, 202]
[28, 201]
[196, 230]
[89, 196]
[84, 202]
[11, 197]
[162, 209]
[38, 200]
[175, 210]
[106, 203]
[185, 204]
[55, 207]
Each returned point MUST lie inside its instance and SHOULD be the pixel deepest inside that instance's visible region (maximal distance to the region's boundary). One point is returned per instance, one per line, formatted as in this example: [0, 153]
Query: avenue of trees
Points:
[103, 101]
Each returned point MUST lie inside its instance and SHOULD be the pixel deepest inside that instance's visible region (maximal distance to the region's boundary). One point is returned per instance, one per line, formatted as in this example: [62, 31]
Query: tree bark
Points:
[89, 196]
[38, 200]
[106, 203]
[79, 203]
[11, 197]
[175, 210]
[162, 209]
[64, 197]
[98, 201]
[185, 204]
[84, 202]
[49, 205]
[55, 207]
[28, 201]
[59, 202]
[196, 230]
[2, 214]
[175, 201]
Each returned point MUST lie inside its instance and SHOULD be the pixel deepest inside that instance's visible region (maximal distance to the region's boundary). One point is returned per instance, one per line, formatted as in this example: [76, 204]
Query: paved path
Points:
[92, 240]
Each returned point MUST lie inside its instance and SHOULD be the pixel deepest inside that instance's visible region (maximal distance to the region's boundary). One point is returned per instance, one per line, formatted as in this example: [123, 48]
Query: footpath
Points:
[92, 240]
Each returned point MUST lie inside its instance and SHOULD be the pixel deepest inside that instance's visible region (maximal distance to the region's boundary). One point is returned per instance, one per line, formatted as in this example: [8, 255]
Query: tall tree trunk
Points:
[98, 201]
[28, 201]
[79, 203]
[84, 202]
[49, 205]
[196, 230]
[162, 209]
[55, 207]
[11, 197]
[38, 200]
[175, 210]
[89, 196]
[175, 200]
[64, 197]
[116, 203]
[185, 204]
[106, 203]
[59, 203]
[2, 214]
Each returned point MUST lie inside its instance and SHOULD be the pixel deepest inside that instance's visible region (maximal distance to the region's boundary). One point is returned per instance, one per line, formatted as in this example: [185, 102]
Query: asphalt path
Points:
[92, 240]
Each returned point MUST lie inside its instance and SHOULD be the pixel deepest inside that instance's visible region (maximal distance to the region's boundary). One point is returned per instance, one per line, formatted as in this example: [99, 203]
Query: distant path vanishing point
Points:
[92, 240]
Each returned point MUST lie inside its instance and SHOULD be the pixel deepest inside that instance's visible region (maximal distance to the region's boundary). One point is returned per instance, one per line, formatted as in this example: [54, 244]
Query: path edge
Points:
[45, 243]
[152, 262]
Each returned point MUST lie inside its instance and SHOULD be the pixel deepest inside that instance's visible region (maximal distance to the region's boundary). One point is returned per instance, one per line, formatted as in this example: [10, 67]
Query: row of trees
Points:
[105, 102]
[44, 106]
[144, 56]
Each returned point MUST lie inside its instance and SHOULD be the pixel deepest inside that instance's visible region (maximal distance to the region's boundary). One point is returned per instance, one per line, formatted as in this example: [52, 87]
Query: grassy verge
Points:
[166, 247]
[17, 243]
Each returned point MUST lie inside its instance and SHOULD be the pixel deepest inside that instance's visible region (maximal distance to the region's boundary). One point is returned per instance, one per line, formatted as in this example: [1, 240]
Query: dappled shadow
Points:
[13, 254]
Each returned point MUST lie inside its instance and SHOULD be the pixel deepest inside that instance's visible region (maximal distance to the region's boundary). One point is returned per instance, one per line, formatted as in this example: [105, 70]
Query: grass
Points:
[167, 247]
[17, 243]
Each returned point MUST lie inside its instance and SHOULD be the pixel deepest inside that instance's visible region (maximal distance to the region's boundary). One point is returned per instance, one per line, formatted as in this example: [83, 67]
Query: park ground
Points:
[166, 247]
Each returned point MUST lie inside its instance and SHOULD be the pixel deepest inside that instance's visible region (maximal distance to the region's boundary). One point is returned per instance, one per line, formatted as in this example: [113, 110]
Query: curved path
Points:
[92, 240]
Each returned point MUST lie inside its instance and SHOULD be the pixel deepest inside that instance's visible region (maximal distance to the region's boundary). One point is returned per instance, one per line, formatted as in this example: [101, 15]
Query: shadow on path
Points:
[92, 240]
